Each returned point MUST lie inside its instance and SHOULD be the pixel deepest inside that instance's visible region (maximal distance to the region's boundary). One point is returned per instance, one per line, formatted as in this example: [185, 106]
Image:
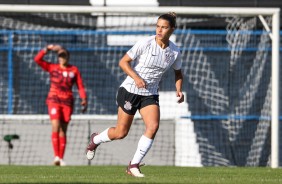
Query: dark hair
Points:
[170, 17]
[64, 54]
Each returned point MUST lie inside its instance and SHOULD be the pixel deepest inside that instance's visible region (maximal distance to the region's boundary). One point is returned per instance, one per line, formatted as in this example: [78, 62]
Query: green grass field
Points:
[154, 174]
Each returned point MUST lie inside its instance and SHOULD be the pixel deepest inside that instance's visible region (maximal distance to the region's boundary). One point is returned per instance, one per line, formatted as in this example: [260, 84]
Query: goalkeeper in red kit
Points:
[60, 97]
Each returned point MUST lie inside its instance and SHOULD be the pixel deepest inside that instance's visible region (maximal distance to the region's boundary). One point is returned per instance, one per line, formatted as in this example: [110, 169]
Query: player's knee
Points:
[55, 129]
[153, 128]
[62, 134]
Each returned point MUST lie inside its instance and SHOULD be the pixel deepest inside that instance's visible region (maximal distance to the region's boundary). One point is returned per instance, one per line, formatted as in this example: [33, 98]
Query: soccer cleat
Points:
[91, 148]
[56, 161]
[62, 163]
[134, 170]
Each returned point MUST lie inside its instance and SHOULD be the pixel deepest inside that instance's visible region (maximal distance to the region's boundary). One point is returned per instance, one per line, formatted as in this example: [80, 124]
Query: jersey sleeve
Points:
[39, 60]
[80, 86]
[137, 49]
[178, 62]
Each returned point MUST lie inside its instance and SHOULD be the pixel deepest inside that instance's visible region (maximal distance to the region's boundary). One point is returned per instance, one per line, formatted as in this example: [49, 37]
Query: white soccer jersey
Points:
[150, 62]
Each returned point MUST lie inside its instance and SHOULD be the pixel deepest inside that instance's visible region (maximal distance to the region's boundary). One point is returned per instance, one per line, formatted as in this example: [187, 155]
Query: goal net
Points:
[230, 67]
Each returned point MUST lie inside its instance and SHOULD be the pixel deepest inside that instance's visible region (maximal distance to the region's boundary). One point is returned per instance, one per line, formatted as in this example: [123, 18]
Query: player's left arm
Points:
[178, 78]
[178, 85]
[81, 91]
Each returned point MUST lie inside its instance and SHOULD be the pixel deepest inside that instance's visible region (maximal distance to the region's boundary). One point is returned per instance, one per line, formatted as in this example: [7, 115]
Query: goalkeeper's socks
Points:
[55, 143]
[63, 142]
[102, 137]
[143, 147]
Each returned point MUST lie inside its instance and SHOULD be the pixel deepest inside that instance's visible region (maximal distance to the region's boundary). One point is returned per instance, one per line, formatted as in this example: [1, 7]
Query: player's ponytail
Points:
[170, 17]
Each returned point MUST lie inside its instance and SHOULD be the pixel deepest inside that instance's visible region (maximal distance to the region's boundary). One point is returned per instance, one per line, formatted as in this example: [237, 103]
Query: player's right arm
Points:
[124, 64]
[132, 54]
[39, 57]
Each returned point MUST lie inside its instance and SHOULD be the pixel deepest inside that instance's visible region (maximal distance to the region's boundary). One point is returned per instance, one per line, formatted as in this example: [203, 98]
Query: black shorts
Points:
[130, 102]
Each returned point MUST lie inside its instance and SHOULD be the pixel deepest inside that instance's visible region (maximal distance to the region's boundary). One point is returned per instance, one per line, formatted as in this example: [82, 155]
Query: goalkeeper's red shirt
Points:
[62, 80]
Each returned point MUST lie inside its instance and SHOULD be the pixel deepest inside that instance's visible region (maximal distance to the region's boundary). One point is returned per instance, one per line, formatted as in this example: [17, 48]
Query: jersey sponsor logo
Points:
[71, 75]
[127, 105]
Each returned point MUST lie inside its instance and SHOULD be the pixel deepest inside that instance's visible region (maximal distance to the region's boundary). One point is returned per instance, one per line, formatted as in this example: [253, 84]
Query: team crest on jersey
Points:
[71, 75]
[65, 74]
[168, 57]
[127, 105]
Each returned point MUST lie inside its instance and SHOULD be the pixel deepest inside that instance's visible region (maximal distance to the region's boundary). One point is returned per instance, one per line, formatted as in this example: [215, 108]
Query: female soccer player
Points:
[152, 57]
[60, 97]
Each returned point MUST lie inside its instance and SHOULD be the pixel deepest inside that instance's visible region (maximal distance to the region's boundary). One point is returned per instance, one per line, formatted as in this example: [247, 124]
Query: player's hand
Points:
[140, 83]
[180, 97]
[54, 47]
[84, 105]
[49, 47]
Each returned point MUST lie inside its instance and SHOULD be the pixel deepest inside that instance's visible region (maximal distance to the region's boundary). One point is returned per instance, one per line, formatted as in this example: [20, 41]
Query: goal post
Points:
[275, 91]
[272, 30]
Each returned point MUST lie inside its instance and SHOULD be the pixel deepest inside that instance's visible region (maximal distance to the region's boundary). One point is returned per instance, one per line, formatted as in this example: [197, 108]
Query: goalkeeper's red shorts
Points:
[60, 112]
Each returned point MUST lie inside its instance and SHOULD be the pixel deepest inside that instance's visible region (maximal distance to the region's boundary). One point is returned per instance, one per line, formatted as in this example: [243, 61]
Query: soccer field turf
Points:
[154, 174]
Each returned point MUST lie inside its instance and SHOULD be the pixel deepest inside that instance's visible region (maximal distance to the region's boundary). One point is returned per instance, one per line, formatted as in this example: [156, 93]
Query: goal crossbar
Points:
[128, 9]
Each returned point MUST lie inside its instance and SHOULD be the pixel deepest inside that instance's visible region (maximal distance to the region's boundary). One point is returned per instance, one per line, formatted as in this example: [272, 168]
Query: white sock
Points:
[143, 147]
[102, 137]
